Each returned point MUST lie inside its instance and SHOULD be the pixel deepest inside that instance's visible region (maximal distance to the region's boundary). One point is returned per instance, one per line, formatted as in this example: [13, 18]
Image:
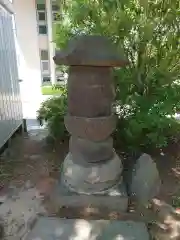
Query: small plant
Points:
[52, 112]
[176, 201]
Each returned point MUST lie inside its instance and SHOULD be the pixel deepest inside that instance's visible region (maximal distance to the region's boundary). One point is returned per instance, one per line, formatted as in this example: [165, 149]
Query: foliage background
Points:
[148, 90]
[52, 111]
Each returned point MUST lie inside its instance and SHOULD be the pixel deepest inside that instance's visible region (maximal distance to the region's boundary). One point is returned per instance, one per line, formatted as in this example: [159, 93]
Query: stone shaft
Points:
[86, 151]
[90, 91]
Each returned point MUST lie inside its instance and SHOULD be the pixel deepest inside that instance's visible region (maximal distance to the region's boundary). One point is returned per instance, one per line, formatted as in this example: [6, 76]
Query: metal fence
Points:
[10, 102]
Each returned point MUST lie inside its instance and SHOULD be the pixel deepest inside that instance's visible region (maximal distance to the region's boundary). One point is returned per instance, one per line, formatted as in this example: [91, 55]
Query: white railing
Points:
[10, 102]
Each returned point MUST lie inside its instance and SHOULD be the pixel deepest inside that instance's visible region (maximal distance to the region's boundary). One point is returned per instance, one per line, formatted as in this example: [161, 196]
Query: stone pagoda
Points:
[92, 166]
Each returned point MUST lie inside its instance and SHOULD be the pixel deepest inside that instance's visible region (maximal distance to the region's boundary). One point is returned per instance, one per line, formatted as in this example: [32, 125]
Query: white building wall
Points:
[43, 42]
[28, 48]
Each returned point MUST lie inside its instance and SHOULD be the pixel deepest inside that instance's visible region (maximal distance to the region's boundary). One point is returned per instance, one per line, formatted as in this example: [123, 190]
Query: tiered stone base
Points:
[91, 184]
[91, 178]
[77, 229]
[114, 199]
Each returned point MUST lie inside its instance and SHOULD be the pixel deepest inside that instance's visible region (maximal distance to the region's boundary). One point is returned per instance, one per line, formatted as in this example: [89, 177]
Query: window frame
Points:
[47, 52]
[42, 25]
[45, 71]
[46, 76]
[43, 9]
[55, 7]
[39, 12]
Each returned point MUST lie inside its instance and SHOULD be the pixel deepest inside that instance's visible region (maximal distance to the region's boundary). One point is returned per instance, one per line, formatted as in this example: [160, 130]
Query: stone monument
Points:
[92, 165]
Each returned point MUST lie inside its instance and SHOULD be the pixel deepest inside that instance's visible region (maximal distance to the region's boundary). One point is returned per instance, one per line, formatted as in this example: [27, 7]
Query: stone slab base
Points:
[79, 229]
[115, 199]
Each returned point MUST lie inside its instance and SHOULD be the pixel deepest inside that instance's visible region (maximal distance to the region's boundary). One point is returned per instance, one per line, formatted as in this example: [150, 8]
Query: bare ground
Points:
[35, 162]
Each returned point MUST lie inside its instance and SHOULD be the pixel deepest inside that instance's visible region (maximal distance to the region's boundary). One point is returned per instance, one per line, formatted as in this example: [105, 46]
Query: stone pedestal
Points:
[92, 166]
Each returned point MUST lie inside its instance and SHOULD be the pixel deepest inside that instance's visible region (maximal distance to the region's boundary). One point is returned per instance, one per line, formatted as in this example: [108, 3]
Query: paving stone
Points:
[79, 229]
[19, 214]
[145, 182]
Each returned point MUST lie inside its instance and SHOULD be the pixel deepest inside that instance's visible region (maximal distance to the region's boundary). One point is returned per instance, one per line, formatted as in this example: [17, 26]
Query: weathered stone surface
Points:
[112, 199]
[94, 129]
[18, 214]
[92, 101]
[145, 182]
[77, 53]
[90, 167]
[77, 229]
[84, 150]
[85, 76]
[93, 178]
[90, 91]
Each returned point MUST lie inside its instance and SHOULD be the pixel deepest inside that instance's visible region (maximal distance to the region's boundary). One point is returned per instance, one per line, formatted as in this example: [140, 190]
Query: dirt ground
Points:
[38, 163]
[169, 169]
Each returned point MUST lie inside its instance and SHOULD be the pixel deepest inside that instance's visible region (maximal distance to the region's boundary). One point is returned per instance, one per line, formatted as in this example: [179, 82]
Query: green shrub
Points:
[52, 112]
[148, 90]
[145, 120]
[143, 131]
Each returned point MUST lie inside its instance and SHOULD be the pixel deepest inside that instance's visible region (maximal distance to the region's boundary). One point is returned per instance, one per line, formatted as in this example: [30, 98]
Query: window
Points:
[46, 79]
[59, 79]
[42, 29]
[41, 7]
[55, 7]
[45, 66]
[44, 55]
[41, 16]
[44, 61]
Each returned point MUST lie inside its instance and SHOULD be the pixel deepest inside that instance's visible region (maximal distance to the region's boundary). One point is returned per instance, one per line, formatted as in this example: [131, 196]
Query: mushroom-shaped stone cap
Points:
[90, 51]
